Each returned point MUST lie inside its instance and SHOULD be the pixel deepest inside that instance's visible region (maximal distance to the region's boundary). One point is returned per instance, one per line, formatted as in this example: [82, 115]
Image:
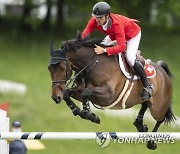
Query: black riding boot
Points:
[147, 91]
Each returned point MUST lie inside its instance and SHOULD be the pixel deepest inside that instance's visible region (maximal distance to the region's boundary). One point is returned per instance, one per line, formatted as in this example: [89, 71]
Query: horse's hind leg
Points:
[151, 144]
[138, 123]
[158, 123]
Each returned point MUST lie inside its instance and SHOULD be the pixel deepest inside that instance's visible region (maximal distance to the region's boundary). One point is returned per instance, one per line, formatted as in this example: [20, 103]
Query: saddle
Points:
[128, 71]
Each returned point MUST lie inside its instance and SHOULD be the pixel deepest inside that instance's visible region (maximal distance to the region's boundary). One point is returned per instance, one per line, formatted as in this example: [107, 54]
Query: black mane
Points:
[72, 45]
[76, 44]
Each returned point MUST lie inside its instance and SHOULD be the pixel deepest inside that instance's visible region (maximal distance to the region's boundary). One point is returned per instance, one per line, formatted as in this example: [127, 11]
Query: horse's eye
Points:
[62, 68]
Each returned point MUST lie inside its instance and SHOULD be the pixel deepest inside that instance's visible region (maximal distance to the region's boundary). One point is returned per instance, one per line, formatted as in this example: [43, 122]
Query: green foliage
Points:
[75, 15]
[173, 6]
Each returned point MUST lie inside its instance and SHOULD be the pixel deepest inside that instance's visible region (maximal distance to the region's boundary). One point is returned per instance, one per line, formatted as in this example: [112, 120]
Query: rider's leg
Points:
[147, 91]
[132, 47]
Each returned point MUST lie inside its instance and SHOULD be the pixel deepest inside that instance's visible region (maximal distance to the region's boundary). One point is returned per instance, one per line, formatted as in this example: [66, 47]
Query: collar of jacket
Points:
[108, 24]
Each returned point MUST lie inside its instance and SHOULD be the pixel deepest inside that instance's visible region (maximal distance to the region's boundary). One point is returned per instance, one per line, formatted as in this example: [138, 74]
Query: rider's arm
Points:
[89, 27]
[121, 41]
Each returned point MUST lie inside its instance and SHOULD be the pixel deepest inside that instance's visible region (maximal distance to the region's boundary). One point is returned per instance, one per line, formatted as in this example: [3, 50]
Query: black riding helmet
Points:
[100, 9]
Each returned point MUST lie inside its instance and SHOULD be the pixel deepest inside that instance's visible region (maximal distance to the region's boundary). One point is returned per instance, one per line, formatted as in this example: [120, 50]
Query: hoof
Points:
[94, 118]
[90, 116]
[151, 145]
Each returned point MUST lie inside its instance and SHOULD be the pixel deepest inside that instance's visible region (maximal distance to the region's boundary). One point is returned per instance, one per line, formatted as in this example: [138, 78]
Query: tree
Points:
[138, 9]
[59, 27]
[46, 24]
[25, 20]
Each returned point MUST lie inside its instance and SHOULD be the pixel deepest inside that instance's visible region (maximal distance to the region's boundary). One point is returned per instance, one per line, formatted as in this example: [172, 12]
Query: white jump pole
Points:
[85, 135]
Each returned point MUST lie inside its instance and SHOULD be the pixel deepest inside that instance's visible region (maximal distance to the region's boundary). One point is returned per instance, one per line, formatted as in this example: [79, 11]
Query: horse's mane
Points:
[91, 43]
[72, 45]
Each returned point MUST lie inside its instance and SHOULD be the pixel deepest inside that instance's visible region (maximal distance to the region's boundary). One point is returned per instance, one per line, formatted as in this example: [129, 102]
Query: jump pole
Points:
[85, 135]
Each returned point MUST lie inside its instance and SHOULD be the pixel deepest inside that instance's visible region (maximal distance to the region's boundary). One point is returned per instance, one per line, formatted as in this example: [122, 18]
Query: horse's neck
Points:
[81, 57]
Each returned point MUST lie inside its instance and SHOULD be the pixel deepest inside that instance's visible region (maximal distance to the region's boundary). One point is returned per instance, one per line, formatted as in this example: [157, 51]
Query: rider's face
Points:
[101, 20]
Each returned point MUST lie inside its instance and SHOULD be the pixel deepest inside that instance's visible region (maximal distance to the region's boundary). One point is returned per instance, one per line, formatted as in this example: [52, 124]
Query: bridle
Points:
[88, 67]
[91, 64]
[68, 71]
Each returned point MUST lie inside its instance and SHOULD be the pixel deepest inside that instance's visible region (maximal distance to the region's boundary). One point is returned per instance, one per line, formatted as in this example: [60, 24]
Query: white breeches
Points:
[131, 49]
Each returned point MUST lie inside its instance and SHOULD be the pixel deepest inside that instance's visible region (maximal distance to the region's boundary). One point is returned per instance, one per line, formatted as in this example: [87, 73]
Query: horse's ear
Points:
[51, 47]
[63, 44]
[78, 36]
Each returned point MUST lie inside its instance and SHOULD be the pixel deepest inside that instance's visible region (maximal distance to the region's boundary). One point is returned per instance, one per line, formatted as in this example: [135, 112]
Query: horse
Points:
[99, 80]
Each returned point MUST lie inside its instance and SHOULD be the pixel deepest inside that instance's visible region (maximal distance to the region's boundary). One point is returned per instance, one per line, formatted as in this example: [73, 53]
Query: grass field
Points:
[25, 59]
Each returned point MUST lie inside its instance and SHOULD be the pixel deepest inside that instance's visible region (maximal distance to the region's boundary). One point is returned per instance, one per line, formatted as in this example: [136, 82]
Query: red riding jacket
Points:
[119, 28]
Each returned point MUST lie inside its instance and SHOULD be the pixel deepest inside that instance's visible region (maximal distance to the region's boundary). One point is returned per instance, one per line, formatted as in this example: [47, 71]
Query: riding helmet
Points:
[100, 9]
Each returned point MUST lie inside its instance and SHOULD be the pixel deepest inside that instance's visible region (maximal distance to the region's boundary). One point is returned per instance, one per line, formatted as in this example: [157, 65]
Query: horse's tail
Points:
[165, 67]
[169, 116]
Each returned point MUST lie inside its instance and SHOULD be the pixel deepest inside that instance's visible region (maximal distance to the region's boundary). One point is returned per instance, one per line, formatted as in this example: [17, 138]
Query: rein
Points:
[86, 68]
[92, 61]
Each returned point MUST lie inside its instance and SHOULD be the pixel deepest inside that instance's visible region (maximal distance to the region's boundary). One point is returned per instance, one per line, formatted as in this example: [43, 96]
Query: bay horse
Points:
[99, 80]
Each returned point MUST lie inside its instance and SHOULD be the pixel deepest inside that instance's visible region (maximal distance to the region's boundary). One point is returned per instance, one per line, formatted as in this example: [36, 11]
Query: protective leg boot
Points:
[147, 90]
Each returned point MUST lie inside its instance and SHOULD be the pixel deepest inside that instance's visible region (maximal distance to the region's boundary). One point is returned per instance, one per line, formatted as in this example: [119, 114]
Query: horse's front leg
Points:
[84, 114]
[138, 123]
[87, 114]
[74, 108]
[99, 95]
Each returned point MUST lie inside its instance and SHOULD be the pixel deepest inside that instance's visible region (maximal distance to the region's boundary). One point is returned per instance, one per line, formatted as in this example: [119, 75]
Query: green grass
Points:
[25, 59]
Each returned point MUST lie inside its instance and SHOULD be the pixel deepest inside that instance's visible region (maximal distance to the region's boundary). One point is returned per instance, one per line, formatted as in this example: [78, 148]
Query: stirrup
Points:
[147, 92]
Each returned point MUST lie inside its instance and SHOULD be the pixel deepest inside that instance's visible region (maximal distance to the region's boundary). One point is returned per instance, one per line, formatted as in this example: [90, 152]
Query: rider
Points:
[127, 35]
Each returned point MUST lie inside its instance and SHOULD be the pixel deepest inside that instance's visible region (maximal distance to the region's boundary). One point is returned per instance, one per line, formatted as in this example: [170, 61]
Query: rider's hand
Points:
[99, 50]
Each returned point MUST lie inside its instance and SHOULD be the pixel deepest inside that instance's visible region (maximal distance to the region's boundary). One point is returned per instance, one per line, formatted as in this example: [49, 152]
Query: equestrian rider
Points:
[127, 35]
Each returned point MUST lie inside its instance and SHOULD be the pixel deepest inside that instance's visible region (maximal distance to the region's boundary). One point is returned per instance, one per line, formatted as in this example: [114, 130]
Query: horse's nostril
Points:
[57, 99]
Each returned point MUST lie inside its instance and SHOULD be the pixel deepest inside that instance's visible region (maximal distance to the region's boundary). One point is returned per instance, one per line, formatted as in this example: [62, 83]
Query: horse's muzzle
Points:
[57, 99]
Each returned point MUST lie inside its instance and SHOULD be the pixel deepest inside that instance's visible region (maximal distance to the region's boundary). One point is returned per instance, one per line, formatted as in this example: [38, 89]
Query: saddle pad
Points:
[149, 69]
